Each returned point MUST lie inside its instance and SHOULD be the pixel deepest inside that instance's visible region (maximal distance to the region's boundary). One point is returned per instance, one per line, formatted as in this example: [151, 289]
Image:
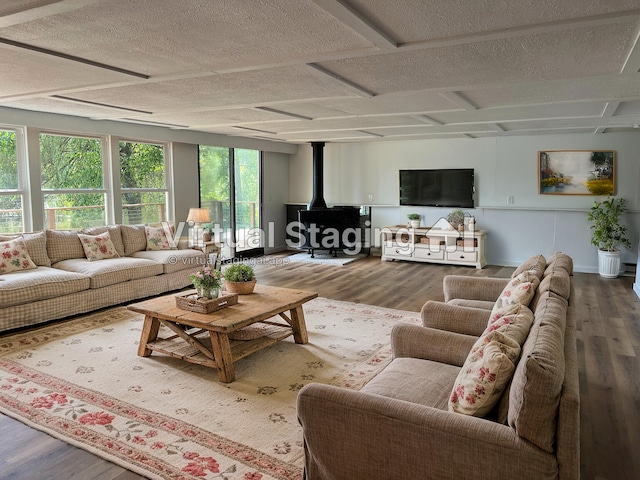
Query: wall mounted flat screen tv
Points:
[437, 188]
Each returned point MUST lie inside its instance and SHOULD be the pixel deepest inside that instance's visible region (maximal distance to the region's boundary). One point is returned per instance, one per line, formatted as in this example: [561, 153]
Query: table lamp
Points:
[198, 216]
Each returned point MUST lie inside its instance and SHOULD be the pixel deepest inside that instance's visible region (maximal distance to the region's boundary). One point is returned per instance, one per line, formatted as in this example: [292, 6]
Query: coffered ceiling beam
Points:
[632, 62]
[358, 23]
[282, 112]
[361, 91]
[73, 58]
[610, 109]
[458, 99]
[427, 119]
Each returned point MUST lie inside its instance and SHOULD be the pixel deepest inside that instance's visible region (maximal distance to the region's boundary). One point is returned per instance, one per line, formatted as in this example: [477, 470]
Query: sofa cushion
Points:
[520, 289]
[111, 271]
[114, 232]
[560, 260]
[134, 238]
[98, 247]
[491, 362]
[158, 238]
[14, 256]
[174, 260]
[30, 286]
[415, 380]
[463, 302]
[537, 382]
[36, 243]
[63, 245]
[558, 282]
[537, 263]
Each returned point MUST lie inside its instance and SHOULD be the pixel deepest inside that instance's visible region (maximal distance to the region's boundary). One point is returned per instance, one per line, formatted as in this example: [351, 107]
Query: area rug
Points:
[82, 381]
[323, 258]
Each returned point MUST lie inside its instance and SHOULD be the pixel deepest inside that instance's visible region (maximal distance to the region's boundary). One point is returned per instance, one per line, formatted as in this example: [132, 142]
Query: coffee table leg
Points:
[223, 357]
[299, 326]
[149, 334]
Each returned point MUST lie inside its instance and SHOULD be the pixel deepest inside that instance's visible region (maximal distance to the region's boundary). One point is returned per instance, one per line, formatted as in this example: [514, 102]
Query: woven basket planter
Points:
[241, 288]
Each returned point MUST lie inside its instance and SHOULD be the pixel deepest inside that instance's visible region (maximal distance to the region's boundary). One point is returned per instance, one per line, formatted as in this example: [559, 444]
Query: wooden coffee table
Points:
[203, 338]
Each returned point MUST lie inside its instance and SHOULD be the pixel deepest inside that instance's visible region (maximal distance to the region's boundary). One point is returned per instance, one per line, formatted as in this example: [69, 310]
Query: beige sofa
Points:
[399, 425]
[66, 283]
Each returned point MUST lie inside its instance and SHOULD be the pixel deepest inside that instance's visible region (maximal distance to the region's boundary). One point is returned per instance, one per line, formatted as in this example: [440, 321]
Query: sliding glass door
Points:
[226, 174]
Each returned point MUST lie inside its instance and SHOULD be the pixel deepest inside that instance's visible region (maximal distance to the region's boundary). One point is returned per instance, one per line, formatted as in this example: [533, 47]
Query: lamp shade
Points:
[198, 215]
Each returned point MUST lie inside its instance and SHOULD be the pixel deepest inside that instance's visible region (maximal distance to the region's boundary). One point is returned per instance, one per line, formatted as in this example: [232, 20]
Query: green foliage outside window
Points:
[10, 204]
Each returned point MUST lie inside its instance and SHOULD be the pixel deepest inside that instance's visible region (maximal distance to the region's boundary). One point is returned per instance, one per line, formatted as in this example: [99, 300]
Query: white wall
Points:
[504, 166]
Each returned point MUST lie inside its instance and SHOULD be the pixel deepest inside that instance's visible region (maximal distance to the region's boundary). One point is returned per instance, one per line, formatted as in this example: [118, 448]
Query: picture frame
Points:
[576, 172]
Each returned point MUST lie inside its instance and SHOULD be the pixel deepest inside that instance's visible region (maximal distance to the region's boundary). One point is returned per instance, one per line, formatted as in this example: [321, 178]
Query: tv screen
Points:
[437, 188]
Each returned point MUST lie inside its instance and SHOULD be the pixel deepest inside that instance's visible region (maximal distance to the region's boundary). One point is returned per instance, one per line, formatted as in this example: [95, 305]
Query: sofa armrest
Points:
[350, 434]
[430, 344]
[454, 318]
[473, 288]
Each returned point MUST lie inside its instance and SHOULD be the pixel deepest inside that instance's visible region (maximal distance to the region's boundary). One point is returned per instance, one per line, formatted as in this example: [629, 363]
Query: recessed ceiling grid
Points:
[334, 70]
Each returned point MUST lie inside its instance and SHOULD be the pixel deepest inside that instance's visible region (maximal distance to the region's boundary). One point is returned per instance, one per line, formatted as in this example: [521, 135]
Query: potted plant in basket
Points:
[414, 220]
[207, 281]
[239, 278]
[608, 234]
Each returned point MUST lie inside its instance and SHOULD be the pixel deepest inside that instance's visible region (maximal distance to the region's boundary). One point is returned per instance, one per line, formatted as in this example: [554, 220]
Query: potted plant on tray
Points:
[456, 219]
[608, 234]
[207, 282]
[239, 278]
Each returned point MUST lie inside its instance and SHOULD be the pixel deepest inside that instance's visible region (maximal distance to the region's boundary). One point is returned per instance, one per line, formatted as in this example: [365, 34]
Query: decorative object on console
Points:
[414, 220]
[456, 219]
[608, 234]
[207, 282]
[197, 216]
[239, 278]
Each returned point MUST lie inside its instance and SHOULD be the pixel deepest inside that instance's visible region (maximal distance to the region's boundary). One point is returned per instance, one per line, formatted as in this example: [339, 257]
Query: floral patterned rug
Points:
[82, 381]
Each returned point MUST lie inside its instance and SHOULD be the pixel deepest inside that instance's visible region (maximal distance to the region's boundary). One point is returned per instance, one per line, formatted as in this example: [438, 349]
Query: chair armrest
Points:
[430, 344]
[473, 288]
[454, 318]
[356, 435]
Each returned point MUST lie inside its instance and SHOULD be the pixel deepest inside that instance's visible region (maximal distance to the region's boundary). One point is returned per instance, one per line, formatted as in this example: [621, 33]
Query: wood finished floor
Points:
[608, 352]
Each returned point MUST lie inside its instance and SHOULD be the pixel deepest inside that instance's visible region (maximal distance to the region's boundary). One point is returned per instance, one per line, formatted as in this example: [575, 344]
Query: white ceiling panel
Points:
[416, 20]
[506, 114]
[539, 57]
[162, 36]
[332, 70]
[24, 72]
[250, 87]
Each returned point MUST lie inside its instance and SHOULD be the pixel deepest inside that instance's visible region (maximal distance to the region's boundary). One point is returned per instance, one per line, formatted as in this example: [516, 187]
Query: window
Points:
[72, 182]
[230, 190]
[11, 209]
[143, 182]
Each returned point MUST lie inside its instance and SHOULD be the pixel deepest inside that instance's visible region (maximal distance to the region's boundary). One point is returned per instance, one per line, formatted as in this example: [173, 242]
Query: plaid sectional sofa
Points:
[66, 283]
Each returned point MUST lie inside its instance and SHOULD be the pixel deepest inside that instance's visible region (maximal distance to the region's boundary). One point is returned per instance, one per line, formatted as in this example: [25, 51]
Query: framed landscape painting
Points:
[576, 172]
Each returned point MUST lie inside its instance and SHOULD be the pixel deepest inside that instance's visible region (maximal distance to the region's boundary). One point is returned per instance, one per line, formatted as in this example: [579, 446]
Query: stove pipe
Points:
[317, 201]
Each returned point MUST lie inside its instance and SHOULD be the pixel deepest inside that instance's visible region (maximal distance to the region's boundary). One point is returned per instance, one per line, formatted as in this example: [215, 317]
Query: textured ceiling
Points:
[329, 70]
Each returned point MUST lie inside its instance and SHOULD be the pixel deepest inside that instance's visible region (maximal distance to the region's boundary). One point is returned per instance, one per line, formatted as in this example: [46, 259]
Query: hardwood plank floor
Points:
[608, 354]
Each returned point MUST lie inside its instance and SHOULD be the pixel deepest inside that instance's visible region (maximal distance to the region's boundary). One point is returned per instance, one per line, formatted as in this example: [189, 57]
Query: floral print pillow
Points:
[157, 238]
[14, 256]
[98, 247]
[491, 362]
[520, 290]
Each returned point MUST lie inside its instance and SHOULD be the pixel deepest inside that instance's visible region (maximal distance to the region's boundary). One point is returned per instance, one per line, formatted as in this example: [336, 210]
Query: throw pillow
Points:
[491, 362]
[157, 238]
[98, 247]
[36, 244]
[14, 256]
[537, 263]
[520, 289]
[134, 238]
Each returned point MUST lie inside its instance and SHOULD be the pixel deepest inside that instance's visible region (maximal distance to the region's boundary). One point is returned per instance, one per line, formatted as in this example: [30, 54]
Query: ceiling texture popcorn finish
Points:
[329, 70]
